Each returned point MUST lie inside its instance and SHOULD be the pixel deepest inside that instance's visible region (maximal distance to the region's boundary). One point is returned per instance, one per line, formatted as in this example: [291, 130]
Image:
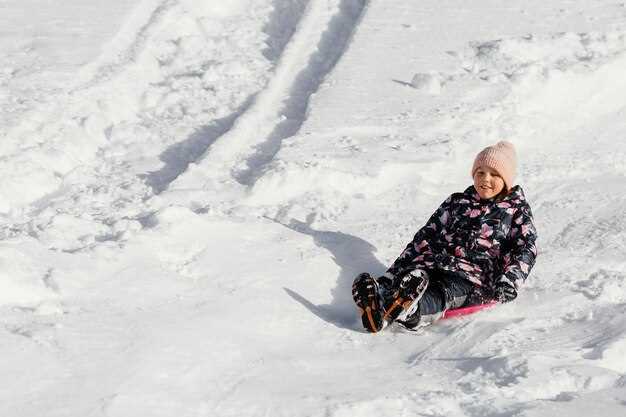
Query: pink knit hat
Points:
[502, 158]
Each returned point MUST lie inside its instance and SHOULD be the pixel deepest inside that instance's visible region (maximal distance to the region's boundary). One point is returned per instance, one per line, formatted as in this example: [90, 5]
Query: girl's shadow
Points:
[353, 255]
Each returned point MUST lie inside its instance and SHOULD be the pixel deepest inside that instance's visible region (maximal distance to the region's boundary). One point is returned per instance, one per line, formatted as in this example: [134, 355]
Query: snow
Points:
[431, 83]
[187, 190]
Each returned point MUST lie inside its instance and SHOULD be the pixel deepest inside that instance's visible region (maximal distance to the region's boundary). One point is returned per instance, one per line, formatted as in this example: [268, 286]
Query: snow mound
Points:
[429, 83]
[23, 279]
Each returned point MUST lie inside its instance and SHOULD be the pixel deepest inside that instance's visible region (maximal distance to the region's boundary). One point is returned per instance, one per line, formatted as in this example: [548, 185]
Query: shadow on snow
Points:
[353, 255]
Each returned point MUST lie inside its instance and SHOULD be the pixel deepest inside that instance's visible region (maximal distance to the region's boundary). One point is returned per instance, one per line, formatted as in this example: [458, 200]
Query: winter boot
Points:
[365, 293]
[404, 302]
[413, 321]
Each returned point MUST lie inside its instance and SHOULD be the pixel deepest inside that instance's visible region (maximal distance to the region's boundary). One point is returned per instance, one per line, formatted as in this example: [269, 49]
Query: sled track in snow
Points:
[177, 158]
[130, 53]
[282, 25]
[322, 36]
[280, 29]
[137, 34]
[331, 47]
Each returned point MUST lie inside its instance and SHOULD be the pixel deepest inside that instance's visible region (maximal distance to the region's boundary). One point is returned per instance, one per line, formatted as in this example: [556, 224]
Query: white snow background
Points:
[187, 189]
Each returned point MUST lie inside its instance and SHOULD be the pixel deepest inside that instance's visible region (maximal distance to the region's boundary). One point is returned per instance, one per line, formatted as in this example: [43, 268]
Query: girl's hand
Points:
[505, 290]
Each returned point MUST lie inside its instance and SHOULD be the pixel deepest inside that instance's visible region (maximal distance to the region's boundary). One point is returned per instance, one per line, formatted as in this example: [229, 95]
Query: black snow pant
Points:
[445, 291]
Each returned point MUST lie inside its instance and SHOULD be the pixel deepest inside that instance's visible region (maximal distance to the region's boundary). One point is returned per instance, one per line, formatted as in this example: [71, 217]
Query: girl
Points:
[478, 246]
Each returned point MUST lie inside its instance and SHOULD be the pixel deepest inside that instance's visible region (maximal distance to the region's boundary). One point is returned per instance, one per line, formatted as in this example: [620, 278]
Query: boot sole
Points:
[371, 314]
[396, 308]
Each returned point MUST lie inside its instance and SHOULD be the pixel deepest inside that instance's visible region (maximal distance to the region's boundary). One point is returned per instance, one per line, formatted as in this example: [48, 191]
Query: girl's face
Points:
[487, 182]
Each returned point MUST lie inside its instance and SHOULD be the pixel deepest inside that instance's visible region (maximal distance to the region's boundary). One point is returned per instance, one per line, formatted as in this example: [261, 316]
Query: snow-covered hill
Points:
[187, 190]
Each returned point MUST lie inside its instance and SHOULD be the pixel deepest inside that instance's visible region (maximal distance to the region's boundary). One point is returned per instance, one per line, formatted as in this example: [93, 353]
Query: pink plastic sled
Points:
[463, 311]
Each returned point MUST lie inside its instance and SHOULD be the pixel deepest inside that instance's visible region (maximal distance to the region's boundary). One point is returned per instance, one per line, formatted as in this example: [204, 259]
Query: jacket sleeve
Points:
[420, 249]
[521, 258]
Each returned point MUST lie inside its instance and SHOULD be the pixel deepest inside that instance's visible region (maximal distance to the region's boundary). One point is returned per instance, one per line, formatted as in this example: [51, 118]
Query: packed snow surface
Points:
[187, 190]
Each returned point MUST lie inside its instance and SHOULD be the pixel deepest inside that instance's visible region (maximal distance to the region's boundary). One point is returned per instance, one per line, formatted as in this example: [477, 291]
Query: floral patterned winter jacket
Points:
[479, 240]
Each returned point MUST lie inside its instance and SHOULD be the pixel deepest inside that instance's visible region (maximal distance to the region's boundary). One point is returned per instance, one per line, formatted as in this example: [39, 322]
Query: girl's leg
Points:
[444, 292]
